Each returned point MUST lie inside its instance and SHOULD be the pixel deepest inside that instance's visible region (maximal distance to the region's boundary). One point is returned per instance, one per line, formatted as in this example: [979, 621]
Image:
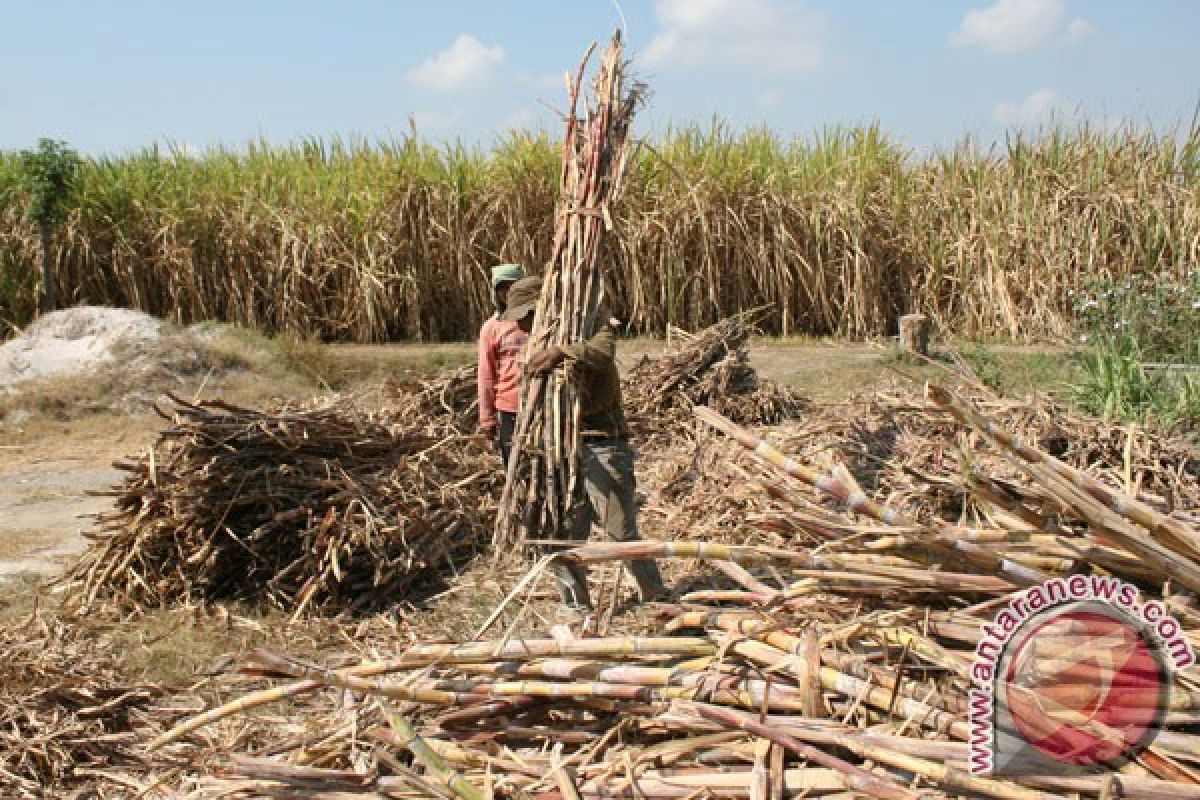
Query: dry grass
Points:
[179, 646]
[17, 543]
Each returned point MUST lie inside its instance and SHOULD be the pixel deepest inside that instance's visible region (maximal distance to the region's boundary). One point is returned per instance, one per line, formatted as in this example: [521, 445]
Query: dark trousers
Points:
[504, 433]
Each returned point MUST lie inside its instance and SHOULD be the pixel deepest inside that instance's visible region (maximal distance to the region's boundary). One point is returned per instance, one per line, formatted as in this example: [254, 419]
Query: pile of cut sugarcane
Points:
[303, 508]
[65, 708]
[710, 368]
[447, 403]
[332, 508]
[834, 663]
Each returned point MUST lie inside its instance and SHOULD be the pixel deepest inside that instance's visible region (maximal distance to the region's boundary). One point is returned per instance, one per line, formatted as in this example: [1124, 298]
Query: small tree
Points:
[49, 174]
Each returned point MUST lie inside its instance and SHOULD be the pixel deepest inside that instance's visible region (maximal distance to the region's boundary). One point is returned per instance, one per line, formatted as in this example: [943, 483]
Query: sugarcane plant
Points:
[542, 479]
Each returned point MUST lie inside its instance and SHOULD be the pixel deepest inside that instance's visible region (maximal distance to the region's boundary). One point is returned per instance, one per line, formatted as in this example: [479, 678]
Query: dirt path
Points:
[42, 514]
[46, 485]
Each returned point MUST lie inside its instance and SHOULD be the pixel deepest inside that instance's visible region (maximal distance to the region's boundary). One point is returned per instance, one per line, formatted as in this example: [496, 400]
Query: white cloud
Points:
[1041, 107]
[1078, 28]
[466, 64]
[770, 36]
[1008, 26]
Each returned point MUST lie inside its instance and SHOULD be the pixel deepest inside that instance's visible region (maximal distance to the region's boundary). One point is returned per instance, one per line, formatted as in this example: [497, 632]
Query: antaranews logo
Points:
[1075, 673]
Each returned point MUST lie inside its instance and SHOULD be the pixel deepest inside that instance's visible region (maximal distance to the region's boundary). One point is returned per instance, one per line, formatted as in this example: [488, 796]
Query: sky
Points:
[113, 77]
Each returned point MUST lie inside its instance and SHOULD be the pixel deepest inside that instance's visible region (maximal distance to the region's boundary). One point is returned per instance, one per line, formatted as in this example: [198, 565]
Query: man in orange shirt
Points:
[499, 373]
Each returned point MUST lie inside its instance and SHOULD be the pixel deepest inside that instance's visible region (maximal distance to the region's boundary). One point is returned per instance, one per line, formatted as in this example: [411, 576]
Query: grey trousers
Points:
[609, 482]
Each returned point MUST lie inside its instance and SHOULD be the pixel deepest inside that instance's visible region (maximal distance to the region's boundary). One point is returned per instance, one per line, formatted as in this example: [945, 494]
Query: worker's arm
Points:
[592, 354]
[486, 378]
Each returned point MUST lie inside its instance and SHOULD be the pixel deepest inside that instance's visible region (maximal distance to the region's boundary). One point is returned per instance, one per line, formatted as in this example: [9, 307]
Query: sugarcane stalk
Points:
[425, 655]
[408, 738]
[859, 502]
[850, 686]
[1168, 531]
[255, 700]
[800, 650]
[856, 777]
[798, 782]
[941, 774]
[823, 566]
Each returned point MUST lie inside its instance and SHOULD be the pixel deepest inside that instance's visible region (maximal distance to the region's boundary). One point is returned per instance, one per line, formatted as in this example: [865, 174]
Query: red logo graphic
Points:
[1081, 686]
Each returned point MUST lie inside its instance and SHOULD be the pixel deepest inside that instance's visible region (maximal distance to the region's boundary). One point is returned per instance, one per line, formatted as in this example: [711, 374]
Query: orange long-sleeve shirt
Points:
[499, 373]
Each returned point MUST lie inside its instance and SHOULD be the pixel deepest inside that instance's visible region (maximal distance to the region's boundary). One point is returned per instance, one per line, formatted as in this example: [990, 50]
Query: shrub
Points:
[1142, 348]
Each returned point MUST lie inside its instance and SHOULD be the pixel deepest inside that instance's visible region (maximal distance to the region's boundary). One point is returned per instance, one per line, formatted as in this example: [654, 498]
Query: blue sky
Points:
[115, 76]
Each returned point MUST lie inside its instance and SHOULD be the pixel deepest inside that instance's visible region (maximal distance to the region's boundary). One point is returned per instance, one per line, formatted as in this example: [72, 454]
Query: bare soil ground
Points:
[46, 485]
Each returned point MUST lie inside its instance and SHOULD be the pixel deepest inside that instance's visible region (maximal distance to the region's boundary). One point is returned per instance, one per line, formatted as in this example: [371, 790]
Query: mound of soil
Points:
[74, 340]
[100, 358]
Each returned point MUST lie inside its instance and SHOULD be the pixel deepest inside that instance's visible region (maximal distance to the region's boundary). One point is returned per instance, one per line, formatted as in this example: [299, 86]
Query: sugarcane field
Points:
[621, 457]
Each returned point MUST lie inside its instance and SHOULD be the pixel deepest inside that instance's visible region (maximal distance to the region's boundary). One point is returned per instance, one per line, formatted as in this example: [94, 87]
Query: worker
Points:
[606, 458]
[499, 373]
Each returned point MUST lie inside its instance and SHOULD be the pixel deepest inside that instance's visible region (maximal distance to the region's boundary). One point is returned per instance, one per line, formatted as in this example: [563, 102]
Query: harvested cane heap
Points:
[318, 508]
[332, 508]
[709, 368]
[832, 657]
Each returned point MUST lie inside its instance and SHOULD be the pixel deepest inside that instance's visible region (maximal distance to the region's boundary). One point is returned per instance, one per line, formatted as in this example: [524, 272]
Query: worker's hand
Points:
[488, 427]
[545, 361]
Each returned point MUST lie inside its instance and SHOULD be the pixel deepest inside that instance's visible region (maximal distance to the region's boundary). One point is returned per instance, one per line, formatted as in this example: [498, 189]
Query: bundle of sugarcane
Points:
[542, 477]
[298, 507]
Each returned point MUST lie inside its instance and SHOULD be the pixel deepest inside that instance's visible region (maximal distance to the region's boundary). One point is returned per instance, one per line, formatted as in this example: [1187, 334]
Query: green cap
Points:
[506, 273]
[522, 298]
